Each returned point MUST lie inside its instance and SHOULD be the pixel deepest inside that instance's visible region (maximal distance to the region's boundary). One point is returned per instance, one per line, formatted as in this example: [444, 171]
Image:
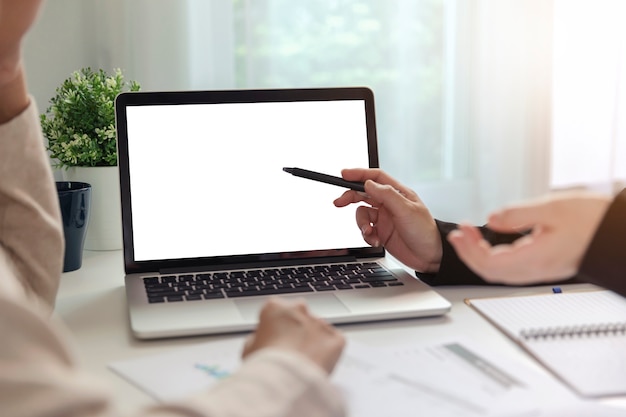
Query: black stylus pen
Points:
[328, 179]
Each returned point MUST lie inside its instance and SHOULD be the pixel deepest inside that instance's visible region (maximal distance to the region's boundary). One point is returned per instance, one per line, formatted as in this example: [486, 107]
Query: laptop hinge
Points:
[255, 265]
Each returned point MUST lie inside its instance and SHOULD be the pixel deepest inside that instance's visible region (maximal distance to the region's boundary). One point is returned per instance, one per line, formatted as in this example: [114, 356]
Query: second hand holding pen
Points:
[328, 179]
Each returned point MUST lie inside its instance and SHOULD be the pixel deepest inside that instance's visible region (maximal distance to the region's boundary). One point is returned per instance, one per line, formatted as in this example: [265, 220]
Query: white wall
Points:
[58, 44]
[72, 34]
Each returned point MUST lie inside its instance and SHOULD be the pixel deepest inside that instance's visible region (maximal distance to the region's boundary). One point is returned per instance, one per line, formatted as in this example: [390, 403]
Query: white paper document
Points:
[434, 379]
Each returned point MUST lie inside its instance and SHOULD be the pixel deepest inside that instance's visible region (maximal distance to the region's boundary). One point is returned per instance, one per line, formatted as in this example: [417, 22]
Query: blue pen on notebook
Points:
[557, 290]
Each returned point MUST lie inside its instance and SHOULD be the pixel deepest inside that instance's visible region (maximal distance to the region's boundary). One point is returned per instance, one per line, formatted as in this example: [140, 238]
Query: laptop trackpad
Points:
[323, 305]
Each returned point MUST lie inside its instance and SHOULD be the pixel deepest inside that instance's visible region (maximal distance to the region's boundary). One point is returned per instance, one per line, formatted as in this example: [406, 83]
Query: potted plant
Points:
[79, 125]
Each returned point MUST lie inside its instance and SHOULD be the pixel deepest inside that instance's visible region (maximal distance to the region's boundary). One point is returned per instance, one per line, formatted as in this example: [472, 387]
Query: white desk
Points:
[92, 303]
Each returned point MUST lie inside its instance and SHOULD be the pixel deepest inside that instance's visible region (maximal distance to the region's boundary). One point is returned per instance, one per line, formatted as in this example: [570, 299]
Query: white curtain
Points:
[463, 87]
[589, 144]
[509, 100]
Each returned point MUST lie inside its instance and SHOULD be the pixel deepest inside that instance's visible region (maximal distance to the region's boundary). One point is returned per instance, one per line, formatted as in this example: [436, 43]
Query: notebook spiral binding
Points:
[589, 330]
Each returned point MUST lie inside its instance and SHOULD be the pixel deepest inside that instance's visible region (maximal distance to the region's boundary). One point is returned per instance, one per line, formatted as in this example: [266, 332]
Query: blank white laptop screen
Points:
[206, 179]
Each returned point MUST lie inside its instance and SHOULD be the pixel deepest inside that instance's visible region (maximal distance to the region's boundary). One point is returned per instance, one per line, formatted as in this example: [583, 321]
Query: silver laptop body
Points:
[213, 226]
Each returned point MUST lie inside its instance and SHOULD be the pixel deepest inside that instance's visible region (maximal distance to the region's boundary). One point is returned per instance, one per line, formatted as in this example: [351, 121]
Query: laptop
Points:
[213, 226]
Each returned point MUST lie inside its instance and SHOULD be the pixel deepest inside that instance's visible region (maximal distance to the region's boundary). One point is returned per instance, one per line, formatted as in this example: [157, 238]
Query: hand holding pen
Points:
[393, 216]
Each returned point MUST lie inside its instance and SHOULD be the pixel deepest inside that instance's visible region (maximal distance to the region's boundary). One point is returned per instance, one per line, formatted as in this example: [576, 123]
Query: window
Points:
[462, 86]
[397, 48]
[406, 51]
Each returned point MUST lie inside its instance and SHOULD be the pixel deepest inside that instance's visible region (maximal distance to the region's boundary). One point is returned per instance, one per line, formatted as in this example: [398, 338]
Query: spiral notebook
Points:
[580, 336]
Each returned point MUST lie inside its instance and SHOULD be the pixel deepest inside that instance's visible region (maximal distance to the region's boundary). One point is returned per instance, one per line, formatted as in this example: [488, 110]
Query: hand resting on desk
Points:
[290, 326]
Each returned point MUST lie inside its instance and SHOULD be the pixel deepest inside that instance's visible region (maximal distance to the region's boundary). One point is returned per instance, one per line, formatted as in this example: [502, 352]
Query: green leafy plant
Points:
[80, 121]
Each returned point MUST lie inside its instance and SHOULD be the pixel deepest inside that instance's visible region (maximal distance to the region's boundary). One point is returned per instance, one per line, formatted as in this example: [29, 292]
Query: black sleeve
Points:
[604, 262]
[452, 270]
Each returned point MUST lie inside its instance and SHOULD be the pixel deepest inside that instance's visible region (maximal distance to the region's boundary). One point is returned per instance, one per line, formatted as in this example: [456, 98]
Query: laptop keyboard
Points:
[286, 280]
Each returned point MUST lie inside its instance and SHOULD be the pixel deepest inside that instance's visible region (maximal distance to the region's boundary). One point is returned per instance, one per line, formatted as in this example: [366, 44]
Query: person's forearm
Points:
[13, 97]
[31, 234]
[604, 262]
[452, 270]
[270, 383]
